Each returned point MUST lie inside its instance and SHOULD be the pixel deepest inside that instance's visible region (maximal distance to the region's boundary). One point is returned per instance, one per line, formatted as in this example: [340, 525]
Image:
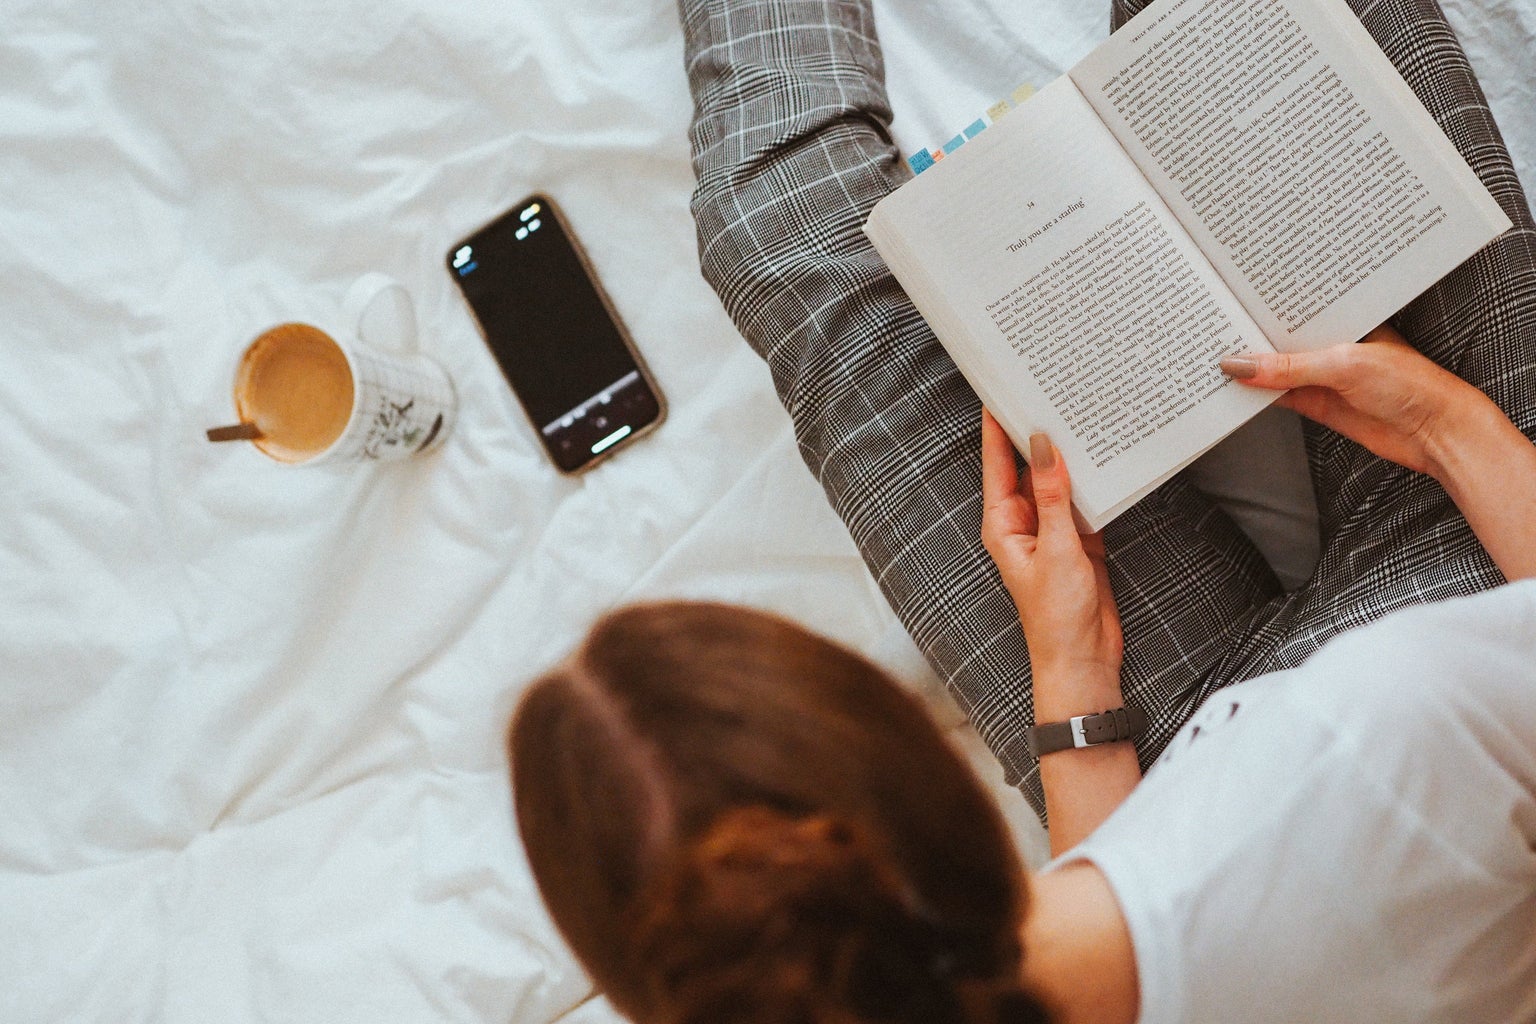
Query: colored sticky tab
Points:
[924, 159]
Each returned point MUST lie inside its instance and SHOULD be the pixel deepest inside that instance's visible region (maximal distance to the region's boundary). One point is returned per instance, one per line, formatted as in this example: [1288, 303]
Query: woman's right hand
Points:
[1058, 579]
[1394, 401]
[1382, 393]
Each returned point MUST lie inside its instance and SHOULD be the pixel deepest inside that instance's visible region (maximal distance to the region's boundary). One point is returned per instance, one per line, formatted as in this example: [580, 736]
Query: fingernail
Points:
[1240, 367]
[1042, 454]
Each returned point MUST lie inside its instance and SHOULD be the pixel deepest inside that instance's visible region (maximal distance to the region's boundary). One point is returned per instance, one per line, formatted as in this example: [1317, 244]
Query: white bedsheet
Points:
[251, 715]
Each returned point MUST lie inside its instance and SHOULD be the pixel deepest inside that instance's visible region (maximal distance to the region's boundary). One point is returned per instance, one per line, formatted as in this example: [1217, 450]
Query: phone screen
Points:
[565, 354]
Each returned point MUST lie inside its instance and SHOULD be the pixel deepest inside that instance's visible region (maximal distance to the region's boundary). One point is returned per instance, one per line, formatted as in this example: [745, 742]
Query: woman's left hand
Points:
[1057, 578]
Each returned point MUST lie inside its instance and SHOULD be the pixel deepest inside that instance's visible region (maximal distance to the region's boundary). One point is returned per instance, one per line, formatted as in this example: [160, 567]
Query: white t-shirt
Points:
[1353, 840]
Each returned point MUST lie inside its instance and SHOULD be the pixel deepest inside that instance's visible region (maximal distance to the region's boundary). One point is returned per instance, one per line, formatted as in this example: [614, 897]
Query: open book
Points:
[1218, 177]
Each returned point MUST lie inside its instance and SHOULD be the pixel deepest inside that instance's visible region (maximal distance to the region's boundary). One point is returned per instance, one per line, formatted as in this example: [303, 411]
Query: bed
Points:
[251, 762]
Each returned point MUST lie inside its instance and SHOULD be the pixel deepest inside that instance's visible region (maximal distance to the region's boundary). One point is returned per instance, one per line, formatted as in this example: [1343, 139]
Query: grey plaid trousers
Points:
[791, 148]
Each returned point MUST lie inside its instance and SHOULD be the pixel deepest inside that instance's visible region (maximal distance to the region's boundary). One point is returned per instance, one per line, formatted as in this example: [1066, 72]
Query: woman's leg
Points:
[791, 147]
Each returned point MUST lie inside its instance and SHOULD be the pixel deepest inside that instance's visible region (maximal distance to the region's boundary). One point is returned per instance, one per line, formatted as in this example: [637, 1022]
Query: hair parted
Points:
[734, 821]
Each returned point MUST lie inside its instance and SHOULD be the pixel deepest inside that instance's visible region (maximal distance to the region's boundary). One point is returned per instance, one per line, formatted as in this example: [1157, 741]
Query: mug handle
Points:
[379, 309]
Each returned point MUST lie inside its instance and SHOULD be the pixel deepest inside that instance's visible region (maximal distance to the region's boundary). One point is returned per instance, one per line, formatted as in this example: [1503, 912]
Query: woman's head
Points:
[732, 819]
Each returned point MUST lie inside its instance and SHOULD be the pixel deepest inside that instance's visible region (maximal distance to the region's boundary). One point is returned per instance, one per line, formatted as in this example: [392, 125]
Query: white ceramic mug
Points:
[304, 395]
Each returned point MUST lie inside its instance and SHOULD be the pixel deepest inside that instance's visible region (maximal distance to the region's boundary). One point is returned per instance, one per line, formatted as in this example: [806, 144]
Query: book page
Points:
[1071, 298]
[1295, 155]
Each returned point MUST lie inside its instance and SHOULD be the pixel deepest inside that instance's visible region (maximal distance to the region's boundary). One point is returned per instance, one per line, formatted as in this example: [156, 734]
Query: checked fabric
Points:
[791, 147]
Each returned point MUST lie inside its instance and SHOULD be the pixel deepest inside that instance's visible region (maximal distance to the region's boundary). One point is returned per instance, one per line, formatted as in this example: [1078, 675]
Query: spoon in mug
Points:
[235, 432]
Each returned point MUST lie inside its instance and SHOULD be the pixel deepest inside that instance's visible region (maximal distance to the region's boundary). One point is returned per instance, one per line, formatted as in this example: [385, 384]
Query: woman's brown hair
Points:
[734, 820]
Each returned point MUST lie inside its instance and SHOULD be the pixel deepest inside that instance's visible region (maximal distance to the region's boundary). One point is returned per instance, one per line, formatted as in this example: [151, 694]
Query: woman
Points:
[732, 820]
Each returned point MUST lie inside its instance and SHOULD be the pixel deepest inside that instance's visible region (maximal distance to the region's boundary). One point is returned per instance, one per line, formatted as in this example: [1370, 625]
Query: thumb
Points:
[1282, 371]
[1052, 488]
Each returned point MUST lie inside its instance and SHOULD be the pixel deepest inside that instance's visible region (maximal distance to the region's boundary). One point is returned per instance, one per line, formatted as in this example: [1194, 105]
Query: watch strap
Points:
[1086, 731]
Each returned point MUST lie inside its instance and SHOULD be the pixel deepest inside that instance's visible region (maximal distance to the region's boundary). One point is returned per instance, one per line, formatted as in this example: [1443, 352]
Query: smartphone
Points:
[555, 334]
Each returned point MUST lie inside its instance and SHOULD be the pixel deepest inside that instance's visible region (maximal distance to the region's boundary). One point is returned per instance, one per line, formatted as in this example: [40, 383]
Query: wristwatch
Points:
[1086, 731]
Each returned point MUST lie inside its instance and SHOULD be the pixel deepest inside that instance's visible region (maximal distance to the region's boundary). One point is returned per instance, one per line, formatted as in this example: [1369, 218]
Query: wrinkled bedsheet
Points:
[251, 716]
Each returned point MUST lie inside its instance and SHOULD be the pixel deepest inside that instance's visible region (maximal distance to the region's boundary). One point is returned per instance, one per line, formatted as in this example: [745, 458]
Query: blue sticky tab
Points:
[920, 161]
[954, 143]
[975, 128]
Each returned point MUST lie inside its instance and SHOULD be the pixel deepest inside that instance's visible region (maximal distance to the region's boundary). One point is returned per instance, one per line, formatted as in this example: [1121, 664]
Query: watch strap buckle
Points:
[1111, 726]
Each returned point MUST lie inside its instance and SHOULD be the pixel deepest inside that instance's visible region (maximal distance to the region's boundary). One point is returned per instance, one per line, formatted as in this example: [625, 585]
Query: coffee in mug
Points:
[295, 387]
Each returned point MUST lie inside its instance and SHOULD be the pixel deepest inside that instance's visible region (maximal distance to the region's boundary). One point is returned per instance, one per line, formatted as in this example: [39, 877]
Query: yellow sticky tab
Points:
[1023, 93]
[998, 109]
